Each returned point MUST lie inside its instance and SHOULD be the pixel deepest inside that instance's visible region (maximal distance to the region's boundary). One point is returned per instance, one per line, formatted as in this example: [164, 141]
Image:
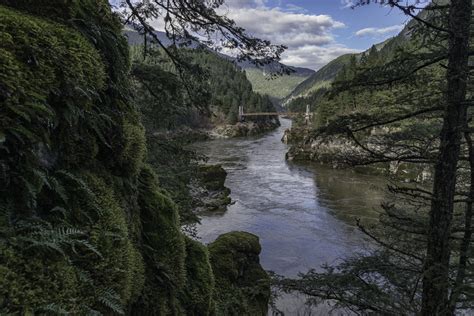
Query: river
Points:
[304, 214]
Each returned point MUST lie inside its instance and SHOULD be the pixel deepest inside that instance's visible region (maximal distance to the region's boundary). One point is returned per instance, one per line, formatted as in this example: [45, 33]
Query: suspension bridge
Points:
[307, 115]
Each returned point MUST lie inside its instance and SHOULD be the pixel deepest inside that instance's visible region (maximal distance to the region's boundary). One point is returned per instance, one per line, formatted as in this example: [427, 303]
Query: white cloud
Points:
[308, 37]
[315, 57]
[375, 32]
[294, 8]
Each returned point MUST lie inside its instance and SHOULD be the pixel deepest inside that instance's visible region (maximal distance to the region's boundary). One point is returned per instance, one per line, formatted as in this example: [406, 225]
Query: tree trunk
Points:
[436, 269]
[466, 240]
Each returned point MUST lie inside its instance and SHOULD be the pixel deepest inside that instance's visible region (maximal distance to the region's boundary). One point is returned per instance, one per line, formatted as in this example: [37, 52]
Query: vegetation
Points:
[85, 227]
[277, 87]
[321, 79]
[242, 286]
[408, 104]
[229, 88]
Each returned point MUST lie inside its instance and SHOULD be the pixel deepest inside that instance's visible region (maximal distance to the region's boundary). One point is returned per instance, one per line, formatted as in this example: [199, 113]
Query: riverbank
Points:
[304, 213]
[338, 152]
[241, 129]
[244, 129]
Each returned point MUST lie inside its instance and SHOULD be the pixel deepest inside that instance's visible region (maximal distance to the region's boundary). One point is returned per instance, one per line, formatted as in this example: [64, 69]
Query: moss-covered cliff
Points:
[242, 286]
[84, 225]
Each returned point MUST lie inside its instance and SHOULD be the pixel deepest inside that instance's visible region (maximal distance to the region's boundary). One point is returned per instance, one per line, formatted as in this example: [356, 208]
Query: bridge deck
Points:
[275, 114]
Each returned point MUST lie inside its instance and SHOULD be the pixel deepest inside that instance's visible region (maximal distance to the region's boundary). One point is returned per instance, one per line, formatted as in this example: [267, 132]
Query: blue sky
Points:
[316, 31]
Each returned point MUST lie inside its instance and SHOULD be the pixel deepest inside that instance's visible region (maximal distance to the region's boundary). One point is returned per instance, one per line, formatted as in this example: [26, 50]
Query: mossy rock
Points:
[164, 248]
[121, 266]
[92, 266]
[197, 298]
[242, 285]
[133, 149]
[212, 176]
[32, 282]
[51, 75]
[61, 9]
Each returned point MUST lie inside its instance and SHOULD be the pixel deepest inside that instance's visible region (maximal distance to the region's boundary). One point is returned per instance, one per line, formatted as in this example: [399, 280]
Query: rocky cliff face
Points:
[245, 129]
[340, 152]
[242, 286]
[209, 192]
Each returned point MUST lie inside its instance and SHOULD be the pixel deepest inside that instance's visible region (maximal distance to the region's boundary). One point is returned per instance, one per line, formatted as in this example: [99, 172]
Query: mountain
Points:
[312, 87]
[263, 82]
[320, 79]
[276, 86]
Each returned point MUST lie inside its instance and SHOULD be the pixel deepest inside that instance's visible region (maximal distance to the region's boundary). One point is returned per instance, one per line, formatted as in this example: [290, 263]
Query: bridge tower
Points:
[241, 113]
[307, 115]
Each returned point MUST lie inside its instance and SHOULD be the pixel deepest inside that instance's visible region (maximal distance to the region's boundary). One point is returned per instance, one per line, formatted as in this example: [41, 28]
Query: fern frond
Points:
[54, 309]
[109, 298]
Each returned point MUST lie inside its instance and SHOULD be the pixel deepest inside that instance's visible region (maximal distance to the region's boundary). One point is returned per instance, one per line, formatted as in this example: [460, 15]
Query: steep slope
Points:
[265, 79]
[85, 226]
[320, 79]
[276, 87]
[311, 88]
[326, 75]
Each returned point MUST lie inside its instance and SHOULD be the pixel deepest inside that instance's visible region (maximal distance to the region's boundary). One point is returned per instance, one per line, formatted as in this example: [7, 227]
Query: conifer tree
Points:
[411, 110]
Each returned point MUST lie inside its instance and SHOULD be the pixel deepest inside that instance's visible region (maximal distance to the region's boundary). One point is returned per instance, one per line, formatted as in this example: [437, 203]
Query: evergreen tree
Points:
[413, 110]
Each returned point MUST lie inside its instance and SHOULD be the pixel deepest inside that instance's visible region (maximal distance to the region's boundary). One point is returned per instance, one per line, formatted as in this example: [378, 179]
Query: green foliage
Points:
[197, 298]
[277, 87]
[35, 90]
[65, 241]
[176, 167]
[84, 226]
[159, 95]
[320, 79]
[242, 286]
[229, 87]
[133, 151]
[164, 249]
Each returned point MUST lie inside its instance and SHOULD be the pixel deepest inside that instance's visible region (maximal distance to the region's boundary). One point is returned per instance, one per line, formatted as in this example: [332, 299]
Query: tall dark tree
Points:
[85, 227]
[436, 269]
[411, 110]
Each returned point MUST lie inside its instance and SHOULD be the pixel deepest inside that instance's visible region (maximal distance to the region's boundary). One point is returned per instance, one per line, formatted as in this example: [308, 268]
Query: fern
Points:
[61, 240]
[87, 310]
[109, 298]
[54, 309]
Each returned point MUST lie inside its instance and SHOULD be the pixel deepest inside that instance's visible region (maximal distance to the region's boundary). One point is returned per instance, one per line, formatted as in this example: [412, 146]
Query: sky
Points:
[315, 31]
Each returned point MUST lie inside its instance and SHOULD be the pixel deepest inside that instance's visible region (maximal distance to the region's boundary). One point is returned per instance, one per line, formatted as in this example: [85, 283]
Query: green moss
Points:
[30, 282]
[212, 176]
[242, 286]
[121, 266]
[197, 297]
[95, 20]
[73, 150]
[50, 77]
[134, 148]
[164, 248]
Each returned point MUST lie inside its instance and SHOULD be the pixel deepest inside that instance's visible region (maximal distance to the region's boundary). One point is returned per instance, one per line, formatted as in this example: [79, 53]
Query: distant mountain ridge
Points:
[326, 75]
[277, 87]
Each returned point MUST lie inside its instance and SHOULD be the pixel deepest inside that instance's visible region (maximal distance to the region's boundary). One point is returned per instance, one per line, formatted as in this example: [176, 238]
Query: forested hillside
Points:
[265, 81]
[320, 79]
[229, 87]
[218, 91]
[310, 90]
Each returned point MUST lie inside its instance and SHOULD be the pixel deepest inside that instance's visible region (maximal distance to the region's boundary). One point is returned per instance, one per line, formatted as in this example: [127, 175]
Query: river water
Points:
[304, 214]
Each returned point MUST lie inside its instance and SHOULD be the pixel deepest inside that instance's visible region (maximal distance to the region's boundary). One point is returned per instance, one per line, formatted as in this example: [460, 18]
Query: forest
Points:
[105, 186]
